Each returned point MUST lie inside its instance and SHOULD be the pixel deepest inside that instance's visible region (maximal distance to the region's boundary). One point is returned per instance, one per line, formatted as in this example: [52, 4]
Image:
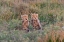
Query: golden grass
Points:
[53, 36]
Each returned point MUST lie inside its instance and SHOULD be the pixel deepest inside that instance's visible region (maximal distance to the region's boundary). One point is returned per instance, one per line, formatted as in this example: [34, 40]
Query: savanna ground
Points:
[51, 16]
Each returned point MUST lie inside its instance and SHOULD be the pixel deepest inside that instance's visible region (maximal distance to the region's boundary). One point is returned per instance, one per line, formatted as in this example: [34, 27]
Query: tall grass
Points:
[51, 15]
[49, 34]
[18, 7]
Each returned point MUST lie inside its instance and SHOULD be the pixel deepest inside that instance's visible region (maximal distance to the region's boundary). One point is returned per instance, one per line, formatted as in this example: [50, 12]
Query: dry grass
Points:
[53, 36]
[51, 14]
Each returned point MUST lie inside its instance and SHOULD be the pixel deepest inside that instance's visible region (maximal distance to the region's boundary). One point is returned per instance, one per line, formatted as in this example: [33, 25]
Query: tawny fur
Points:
[35, 21]
[25, 22]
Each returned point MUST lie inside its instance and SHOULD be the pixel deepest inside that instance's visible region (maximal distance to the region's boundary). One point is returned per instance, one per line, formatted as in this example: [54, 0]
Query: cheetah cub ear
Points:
[24, 17]
[34, 16]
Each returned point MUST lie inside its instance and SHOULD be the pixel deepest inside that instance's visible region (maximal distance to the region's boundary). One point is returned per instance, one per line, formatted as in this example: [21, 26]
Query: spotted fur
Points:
[25, 22]
[35, 21]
